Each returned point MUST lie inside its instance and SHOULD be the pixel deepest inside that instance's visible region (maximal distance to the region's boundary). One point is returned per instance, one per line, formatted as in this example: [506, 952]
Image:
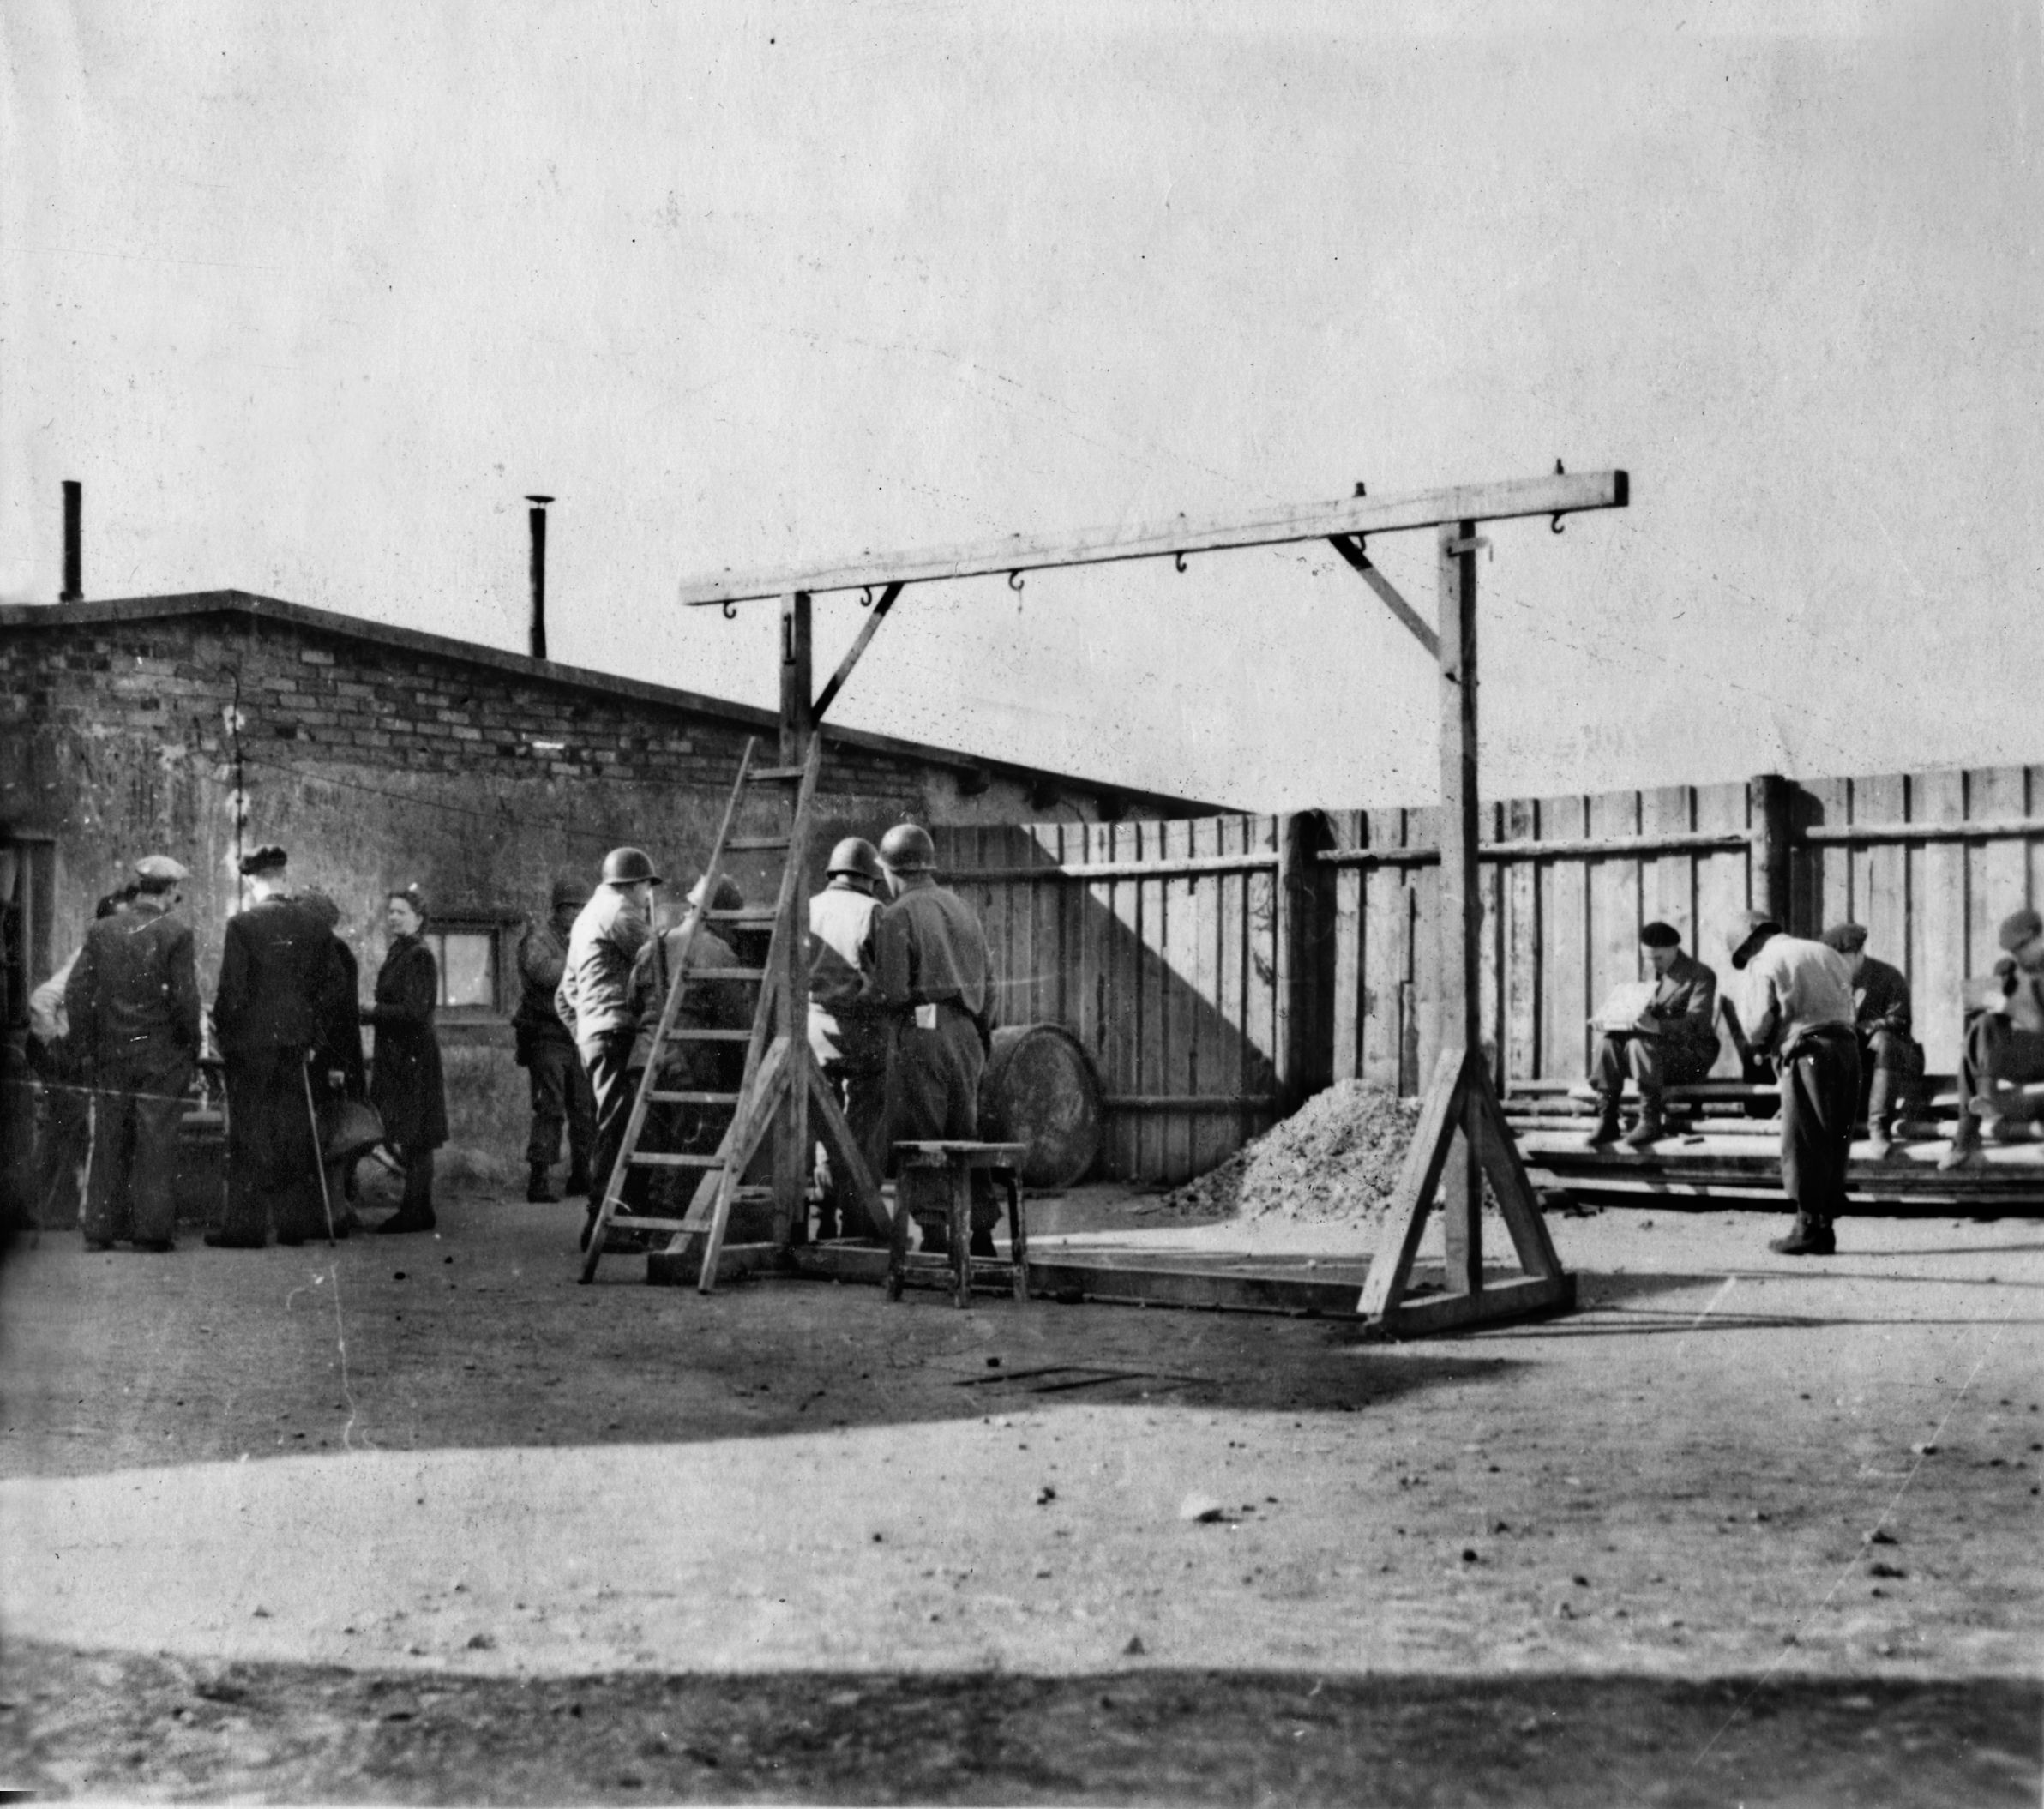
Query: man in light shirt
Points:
[1802, 999]
[848, 1035]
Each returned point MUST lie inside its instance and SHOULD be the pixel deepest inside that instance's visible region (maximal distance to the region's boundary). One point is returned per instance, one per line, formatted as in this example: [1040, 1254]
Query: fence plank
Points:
[1722, 888]
[1825, 875]
[1423, 954]
[1881, 894]
[1668, 886]
[1521, 906]
[1999, 880]
[1564, 944]
[1940, 914]
[1490, 945]
[1613, 900]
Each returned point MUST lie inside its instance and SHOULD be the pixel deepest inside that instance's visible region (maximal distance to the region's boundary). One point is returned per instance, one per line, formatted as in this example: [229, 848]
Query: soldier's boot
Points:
[1650, 1128]
[1607, 1124]
[578, 1178]
[1880, 1112]
[1810, 1237]
[1965, 1141]
[539, 1189]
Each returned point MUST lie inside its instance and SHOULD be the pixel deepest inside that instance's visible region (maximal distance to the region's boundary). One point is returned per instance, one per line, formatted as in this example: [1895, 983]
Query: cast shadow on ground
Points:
[94, 1724]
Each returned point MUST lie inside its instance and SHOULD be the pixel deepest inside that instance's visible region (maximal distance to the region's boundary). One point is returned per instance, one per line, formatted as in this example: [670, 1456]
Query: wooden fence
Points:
[1163, 948]
[1220, 970]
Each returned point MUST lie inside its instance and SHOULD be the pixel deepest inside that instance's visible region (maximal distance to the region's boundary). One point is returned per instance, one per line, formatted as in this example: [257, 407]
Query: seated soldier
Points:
[1673, 1043]
[1891, 1058]
[2005, 1041]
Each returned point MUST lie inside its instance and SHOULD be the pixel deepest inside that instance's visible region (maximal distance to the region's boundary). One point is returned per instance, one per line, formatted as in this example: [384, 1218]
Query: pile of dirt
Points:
[1337, 1158]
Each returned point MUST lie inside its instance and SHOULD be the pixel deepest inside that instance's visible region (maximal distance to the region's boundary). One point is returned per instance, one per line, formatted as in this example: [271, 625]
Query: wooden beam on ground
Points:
[1508, 500]
[1423, 631]
[1521, 1297]
[829, 694]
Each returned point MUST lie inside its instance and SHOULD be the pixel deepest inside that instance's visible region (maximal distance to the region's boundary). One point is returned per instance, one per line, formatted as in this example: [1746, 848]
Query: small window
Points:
[466, 955]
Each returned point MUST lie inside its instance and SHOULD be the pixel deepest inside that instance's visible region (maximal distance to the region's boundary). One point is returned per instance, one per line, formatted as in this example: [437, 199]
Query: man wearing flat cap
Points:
[281, 984]
[546, 1050]
[1674, 1042]
[1891, 1058]
[2005, 1040]
[1800, 1003]
[132, 1002]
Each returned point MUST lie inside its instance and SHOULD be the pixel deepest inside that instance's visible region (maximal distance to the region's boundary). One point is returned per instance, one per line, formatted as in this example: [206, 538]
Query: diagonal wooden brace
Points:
[1422, 630]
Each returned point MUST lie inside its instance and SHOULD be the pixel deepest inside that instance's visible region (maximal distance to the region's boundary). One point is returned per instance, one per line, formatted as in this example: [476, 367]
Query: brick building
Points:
[198, 725]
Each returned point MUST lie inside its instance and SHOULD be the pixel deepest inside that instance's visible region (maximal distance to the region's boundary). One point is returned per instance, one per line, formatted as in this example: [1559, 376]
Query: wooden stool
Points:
[957, 1161]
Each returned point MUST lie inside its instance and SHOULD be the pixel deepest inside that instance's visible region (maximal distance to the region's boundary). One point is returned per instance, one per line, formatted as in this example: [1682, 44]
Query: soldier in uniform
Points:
[847, 1036]
[594, 999]
[1802, 993]
[1891, 1058]
[546, 1050]
[281, 983]
[133, 1005]
[932, 977]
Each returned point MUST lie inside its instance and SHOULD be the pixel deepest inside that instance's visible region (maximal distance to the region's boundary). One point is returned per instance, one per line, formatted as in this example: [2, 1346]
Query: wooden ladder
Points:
[781, 1078]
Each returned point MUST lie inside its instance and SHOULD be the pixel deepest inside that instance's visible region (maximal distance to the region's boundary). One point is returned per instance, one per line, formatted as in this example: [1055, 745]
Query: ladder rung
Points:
[689, 1036]
[633, 1222]
[771, 775]
[660, 1098]
[749, 914]
[660, 1159]
[749, 843]
[727, 973]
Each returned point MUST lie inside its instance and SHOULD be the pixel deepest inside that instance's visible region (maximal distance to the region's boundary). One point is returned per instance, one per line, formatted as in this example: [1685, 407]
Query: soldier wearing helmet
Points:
[1799, 1002]
[933, 977]
[594, 998]
[546, 1050]
[848, 1033]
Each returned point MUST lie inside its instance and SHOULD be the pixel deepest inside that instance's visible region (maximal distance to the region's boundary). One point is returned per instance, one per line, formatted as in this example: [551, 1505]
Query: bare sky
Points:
[307, 296]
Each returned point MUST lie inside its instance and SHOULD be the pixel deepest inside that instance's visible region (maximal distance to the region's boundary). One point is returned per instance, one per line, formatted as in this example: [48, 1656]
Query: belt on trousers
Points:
[1817, 1033]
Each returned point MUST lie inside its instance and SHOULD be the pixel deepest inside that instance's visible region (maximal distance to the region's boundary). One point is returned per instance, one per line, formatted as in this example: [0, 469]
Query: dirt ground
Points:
[423, 1520]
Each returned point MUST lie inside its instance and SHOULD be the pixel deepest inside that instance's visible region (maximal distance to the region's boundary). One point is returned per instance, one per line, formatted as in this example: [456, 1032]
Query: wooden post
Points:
[1302, 1063]
[1461, 906]
[1768, 809]
[791, 1125]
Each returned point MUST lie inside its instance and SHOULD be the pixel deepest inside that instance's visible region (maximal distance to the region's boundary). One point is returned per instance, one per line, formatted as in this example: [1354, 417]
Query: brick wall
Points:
[379, 763]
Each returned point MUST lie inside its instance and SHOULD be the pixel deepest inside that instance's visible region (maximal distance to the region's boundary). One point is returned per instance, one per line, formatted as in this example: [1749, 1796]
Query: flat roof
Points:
[247, 605]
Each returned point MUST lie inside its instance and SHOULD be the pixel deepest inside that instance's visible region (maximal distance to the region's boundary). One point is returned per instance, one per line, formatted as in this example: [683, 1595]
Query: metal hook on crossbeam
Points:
[866, 597]
[1178, 560]
[1014, 582]
[730, 612]
[1554, 520]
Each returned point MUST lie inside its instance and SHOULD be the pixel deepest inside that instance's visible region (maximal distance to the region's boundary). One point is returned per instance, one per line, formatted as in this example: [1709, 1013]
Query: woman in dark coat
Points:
[405, 1085]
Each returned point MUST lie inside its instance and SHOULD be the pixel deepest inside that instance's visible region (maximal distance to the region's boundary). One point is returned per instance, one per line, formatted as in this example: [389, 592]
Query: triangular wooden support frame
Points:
[1463, 1099]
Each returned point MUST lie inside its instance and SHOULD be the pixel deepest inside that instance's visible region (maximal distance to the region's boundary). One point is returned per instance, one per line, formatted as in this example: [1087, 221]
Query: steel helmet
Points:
[907, 848]
[855, 854]
[628, 866]
[1745, 931]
